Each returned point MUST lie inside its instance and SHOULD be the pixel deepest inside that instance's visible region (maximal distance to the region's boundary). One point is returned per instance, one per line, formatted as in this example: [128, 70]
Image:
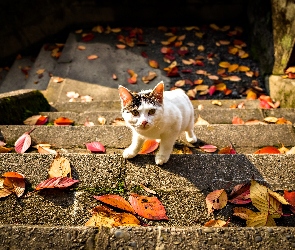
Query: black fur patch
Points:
[138, 98]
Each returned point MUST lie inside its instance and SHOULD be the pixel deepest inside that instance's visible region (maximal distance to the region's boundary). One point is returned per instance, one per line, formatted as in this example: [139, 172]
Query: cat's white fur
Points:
[175, 115]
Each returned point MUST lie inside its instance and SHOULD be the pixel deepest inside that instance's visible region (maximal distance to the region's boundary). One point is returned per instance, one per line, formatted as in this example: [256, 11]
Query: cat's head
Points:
[142, 110]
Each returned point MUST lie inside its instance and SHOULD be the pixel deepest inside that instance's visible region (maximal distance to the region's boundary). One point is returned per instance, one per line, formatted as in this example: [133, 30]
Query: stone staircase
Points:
[55, 219]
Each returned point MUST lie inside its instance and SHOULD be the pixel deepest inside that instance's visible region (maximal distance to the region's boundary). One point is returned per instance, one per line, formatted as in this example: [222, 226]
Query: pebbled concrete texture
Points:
[40, 237]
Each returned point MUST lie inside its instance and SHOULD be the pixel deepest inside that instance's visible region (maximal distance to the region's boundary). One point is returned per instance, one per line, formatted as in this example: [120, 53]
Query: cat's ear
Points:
[125, 95]
[158, 92]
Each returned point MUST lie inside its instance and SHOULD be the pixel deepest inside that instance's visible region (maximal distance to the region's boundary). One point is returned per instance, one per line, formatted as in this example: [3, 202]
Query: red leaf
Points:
[88, 37]
[268, 150]
[209, 148]
[56, 182]
[42, 120]
[264, 104]
[212, 89]
[23, 142]
[290, 197]
[149, 146]
[144, 54]
[186, 71]
[227, 150]
[173, 72]
[116, 201]
[240, 194]
[199, 63]
[169, 57]
[148, 207]
[95, 147]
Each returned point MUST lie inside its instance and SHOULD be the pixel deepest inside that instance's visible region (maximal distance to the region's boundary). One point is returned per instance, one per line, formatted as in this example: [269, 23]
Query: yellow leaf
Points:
[263, 201]
[233, 50]
[172, 39]
[224, 42]
[261, 220]
[220, 87]
[213, 77]
[290, 70]
[214, 26]
[40, 71]
[243, 212]
[243, 68]
[233, 67]
[199, 34]
[216, 102]
[201, 48]
[251, 95]
[224, 64]
[191, 93]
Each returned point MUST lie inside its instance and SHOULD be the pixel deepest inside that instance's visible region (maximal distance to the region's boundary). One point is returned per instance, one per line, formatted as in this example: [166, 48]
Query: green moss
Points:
[15, 109]
[119, 189]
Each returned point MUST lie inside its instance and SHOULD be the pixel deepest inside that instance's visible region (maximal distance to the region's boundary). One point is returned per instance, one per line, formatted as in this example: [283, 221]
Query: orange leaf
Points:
[148, 207]
[153, 64]
[237, 120]
[216, 223]
[92, 57]
[121, 46]
[227, 150]
[234, 78]
[14, 182]
[268, 150]
[290, 197]
[243, 68]
[224, 64]
[149, 146]
[198, 81]
[63, 121]
[116, 201]
[251, 95]
[233, 67]
[220, 86]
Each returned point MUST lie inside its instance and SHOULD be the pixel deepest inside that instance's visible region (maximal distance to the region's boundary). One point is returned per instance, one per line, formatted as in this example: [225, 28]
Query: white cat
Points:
[157, 114]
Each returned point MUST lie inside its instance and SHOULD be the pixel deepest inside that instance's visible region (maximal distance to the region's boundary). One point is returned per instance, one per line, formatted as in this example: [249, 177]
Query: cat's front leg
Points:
[135, 146]
[165, 150]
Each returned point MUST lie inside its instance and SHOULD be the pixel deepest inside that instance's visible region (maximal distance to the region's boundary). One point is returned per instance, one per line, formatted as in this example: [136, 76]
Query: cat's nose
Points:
[144, 123]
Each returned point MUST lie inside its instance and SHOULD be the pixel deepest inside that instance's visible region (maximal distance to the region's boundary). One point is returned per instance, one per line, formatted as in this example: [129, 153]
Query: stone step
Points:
[245, 138]
[181, 185]
[149, 238]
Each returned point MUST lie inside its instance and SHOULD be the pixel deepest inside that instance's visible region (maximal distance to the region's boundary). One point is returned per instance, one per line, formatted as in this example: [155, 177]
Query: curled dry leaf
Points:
[209, 148]
[118, 122]
[290, 197]
[103, 216]
[121, 46]
[5, 149]
[148, 207]
[72, 94]
[101, 120]
[56, 182]
[81, 47]
[216, 200]
[60, 167]
[116, 201]
[151, 75]
[36, 120]
[149, 146]
[86, 98]
[216, 223]
[45, 150]
[95, 147]
[216, 102]
[240, 194]
[227, 150]
[237, 121]
[12, 182]
[154, 64]
[243, 213]
[23, 142]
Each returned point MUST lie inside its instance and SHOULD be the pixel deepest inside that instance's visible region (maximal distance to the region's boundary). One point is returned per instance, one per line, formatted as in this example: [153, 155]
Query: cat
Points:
[157, 114]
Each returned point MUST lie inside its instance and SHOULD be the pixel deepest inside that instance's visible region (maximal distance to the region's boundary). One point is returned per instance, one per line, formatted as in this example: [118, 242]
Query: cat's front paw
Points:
[129, 153]
[161, 159]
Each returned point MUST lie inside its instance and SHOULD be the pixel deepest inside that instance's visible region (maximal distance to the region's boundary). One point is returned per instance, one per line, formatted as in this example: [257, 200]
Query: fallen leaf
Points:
[81, 47]
[86, 98]
[151, 75]
[56, 182]
[243, 212]
[251, 95]
[216, 102]
[60, 167]
[101, 120]
[237, 121]
[103, 216]
[240, 194]
[290, 197]
[87, 37]
[234, 78]
[271, 119]
[216, 223]
[24, 142]
[216, 200]
[5, 149]
[153, 64]
[260, 220]
[148, 207]
[214, 26]
[149, 146]
[63, 121]
[224, 64]
[213, 77]
[14, 183]
[72, 94]
[209, 148]
[95, 147]
[36, 120]
[118, 122]
[282, 120]
[233, 67]
[201, 121]
[92, 57]
[227, 150]
[201, 48]
[199, 34]
[268, 150]
[45, 150]
[244, 69]
[291, 151]
[116, 201]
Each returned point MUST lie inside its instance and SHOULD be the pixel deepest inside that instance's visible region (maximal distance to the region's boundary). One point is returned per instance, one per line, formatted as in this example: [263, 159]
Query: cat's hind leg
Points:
[190, 136]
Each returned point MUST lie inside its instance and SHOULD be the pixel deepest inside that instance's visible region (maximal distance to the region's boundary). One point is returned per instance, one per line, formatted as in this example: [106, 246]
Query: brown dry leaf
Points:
[101, 120]
[249, 73]
[201, 48]
[201, 72]
[234, 78]
[243, 212]
[233, 67]
[5, 150]
[216, 200]
[214, 26]
[199, 34]
[14, 182]
[147, 189]
[154, 64]
[179, 83]
[40, 71]
[224, 64]
[92, 57]
[3, 191]
[201, 121]
[45, 150]
[188, 62]
[282, 120]
[81, 47]
[60, 167]
[58, 79]
[216, 223]
[181, 38]
[217, 102]
[213, 77]
[191, 93]
[151, 75]
[201, 87]
[224, 42]
[118, 122]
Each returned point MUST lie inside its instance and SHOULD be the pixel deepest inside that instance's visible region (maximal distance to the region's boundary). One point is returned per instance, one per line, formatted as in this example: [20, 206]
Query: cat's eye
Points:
[152, 111]
[134, 112]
